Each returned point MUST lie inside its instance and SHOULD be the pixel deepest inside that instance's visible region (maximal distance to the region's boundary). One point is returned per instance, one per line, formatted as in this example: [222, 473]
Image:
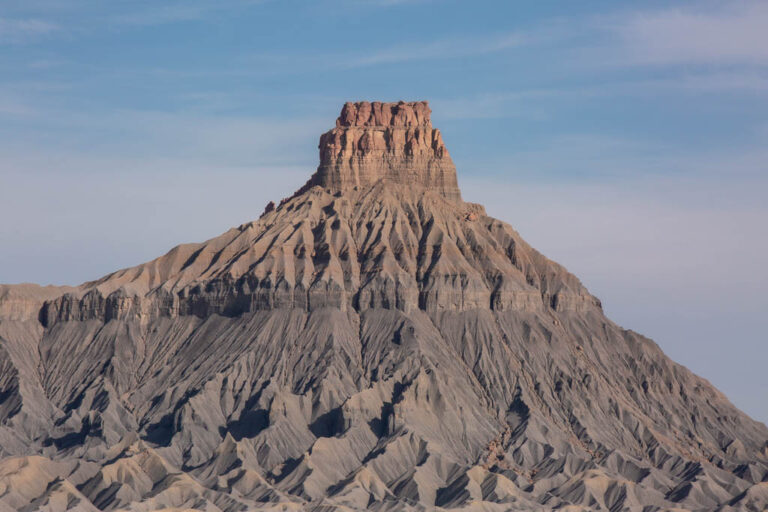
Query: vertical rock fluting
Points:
[385, 141]
[372, 343]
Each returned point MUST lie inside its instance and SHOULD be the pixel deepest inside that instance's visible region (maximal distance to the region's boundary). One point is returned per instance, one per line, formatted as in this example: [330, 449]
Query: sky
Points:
[626, 140]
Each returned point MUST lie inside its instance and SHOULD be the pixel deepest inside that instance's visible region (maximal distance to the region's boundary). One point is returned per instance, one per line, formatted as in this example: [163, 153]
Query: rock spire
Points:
[385, 141]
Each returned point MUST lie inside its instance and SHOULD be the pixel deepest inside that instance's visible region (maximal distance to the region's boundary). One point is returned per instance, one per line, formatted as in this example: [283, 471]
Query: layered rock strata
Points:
[367, 344]
[393, 142]
[385, 246]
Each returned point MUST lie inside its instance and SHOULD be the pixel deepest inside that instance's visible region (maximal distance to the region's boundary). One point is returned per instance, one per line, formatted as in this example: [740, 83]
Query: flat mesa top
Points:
[401, 114]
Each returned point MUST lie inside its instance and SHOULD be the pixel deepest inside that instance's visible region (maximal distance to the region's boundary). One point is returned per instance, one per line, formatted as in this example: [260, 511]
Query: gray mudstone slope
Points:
[372, 343]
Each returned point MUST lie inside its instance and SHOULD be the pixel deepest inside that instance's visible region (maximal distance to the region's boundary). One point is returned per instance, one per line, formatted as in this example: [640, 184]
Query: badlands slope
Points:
[371, 343]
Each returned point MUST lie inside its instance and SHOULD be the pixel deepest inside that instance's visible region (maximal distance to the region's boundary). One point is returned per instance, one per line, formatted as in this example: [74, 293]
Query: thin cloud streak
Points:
[580, 158]
[180, 12]
[732, 34]
[17, 31]
[442, 49]
[180, 136]
[164, 14]
[85, 17]
[413, 51]
[520, 103]
[387, 3]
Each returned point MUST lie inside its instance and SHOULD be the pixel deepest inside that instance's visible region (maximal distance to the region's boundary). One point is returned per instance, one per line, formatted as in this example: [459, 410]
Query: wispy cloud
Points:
[14, 108]
[414, 51]
[194, 138]
[389, 3]
[24, 30]
[40, 64]
[154, 13]
[568, 159]
[163, 14]
[733, 32]
[533, 102]
[452, 48]
[36, 18]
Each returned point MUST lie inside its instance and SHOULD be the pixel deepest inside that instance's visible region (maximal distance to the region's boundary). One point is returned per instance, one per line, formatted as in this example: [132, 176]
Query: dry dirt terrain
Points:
[371, 343]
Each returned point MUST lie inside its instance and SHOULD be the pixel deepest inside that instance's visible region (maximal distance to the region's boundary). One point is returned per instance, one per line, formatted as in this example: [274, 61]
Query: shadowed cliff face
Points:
[373, 342]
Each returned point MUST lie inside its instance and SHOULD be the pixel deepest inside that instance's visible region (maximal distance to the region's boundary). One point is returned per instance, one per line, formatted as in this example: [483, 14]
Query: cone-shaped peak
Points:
[390, 142]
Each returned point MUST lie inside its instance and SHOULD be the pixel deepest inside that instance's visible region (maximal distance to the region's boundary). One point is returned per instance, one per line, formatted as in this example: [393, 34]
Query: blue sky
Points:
[626, 140]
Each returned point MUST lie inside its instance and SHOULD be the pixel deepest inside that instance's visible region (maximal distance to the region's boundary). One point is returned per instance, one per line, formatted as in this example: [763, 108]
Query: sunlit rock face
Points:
[394, 142]
[371, 343]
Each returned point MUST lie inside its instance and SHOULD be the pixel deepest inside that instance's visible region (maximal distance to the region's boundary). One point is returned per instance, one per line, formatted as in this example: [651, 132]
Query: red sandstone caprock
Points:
[392, 142]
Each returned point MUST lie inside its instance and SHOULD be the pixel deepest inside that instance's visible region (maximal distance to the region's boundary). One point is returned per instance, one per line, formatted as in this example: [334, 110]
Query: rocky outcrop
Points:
[394, 142]
[369, 345]
[24, 301]
[387, 246]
